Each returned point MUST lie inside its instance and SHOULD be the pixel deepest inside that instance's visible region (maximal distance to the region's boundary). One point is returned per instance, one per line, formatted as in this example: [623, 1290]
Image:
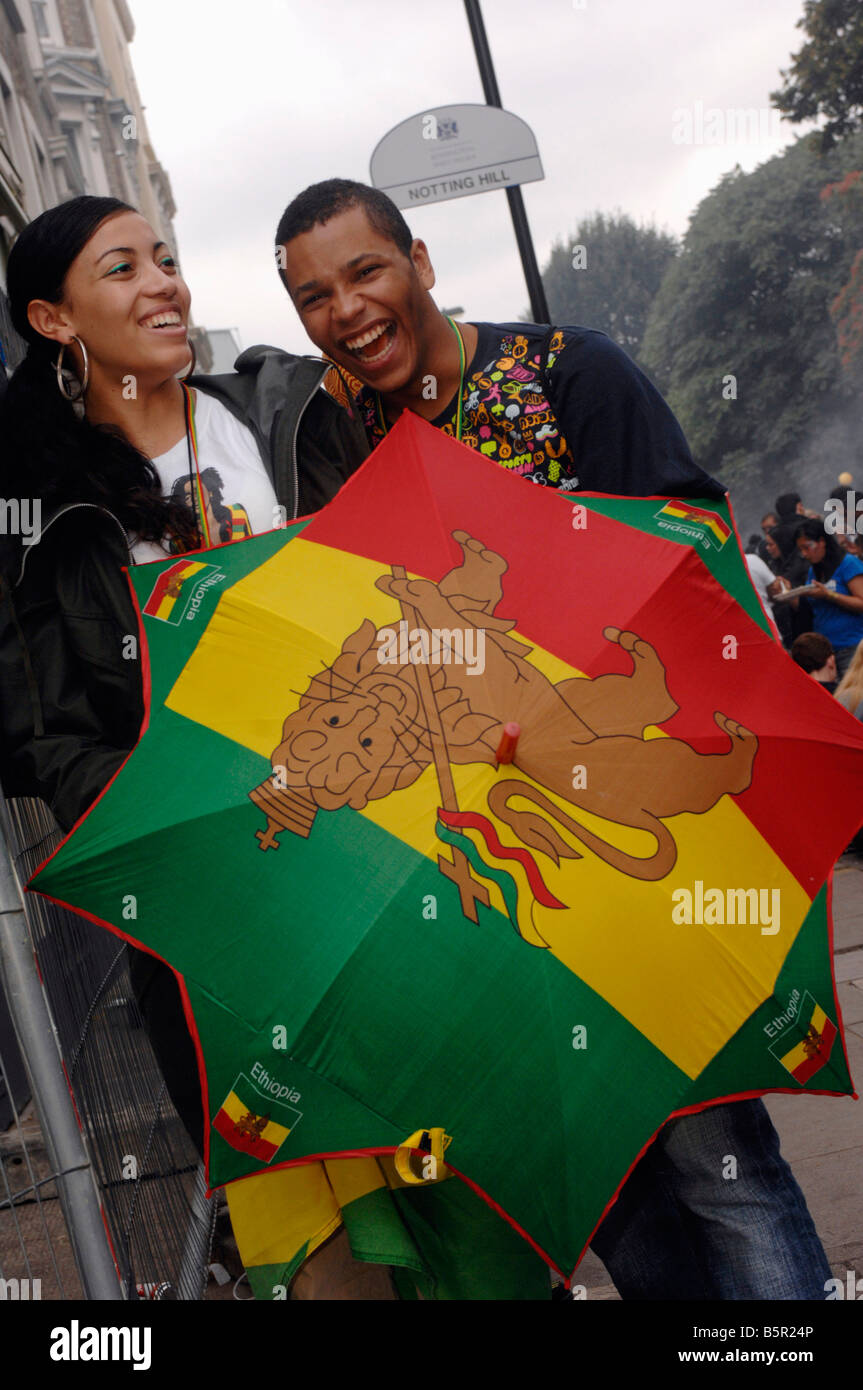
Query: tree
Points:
[846, 310]
[826, 76]
[606, 276]
[740, 336]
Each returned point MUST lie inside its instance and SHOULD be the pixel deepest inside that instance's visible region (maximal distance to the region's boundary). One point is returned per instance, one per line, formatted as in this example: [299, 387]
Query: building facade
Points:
[71, 122]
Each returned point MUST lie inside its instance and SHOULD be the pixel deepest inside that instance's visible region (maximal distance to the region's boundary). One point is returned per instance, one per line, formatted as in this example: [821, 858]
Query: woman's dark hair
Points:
[773, 562]
[49, 451]
[815, 530]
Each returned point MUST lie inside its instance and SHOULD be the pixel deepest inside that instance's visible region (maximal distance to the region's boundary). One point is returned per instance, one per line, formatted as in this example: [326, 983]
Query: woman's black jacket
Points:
[71, 702]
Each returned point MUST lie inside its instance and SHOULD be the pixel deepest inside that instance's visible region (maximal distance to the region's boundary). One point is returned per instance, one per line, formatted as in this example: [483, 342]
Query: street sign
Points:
[453, 152]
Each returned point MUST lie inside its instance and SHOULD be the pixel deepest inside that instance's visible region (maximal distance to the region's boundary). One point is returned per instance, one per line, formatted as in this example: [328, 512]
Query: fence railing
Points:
[115, 1181]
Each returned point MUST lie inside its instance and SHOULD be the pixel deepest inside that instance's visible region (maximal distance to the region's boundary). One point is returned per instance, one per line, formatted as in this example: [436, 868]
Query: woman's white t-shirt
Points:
[762, 576]
[239, 498]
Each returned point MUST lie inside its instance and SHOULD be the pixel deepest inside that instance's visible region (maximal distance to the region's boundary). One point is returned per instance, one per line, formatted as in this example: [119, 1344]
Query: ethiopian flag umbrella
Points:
[462, 809]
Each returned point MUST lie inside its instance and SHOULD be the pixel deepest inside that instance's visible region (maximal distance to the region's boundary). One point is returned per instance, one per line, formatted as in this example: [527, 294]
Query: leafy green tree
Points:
[741, 338]
[606, 276]
[826, 76]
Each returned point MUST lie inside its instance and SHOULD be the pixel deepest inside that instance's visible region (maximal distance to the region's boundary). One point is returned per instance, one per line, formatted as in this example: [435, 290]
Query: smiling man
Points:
[566, 408]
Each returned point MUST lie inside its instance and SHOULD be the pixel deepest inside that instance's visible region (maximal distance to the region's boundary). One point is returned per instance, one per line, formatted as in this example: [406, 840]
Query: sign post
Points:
[453, 152]
[456, 151]
[536, 289]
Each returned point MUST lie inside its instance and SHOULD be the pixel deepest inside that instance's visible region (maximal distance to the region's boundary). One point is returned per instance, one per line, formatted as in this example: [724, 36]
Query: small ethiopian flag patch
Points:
[716, 529]
[173, 590]
[253, 1122]
[805, 1047]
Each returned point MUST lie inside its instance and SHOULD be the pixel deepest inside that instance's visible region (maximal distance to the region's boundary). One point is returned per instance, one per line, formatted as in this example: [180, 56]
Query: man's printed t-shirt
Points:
[608, 429]
[239, 499]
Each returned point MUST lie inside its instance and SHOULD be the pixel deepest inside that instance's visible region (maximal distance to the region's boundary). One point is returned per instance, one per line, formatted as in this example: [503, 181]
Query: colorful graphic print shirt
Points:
[608, 430]
[505, 408]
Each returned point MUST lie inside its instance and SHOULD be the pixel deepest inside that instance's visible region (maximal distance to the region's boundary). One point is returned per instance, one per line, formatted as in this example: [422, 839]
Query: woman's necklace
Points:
[461, 365]
[196, 496]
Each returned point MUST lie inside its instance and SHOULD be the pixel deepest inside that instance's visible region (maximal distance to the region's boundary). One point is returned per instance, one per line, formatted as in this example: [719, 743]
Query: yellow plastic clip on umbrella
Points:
[431, 1144]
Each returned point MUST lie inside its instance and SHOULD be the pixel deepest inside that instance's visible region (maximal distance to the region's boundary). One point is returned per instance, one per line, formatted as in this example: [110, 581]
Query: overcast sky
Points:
[249, 102]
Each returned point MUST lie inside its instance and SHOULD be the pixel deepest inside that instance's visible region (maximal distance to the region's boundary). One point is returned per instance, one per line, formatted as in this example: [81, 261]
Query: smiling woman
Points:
[76, 300]
[123, 461]
[119, 461]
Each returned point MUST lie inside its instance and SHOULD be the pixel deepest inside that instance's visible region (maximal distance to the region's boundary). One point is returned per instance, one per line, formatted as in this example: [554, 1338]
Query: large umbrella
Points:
[384, 927]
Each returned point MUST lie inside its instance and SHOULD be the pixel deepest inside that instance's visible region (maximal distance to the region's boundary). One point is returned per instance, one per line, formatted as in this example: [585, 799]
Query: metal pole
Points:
[37, 1039]
[535, 287]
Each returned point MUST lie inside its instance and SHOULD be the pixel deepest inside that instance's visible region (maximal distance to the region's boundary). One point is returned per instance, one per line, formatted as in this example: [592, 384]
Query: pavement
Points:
[820, 1136]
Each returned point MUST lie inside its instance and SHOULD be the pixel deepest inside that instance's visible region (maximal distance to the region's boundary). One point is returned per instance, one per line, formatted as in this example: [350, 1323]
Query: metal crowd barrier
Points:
[101, 1189]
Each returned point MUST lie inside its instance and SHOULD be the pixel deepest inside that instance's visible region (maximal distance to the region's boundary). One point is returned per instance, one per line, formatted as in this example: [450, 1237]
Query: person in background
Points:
[788, 506]
[768, 521]
[783, 614]
[844, 527]
[792, 565]
[849, 692]
[785, 559]
[814, 654]
[768, 551]
[766, 585]
[837, 589]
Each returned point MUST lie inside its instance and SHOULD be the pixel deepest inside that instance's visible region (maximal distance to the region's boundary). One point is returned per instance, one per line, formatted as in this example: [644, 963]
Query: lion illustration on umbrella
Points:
[368, 726]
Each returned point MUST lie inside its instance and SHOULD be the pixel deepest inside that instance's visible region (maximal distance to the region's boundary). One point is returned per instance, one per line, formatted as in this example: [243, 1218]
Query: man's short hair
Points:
[811, 650]
[786, 505]
[321, 201]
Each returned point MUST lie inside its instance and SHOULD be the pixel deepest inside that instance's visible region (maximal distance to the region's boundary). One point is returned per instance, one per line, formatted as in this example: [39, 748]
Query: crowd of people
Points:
[121, 476]
[807, 568]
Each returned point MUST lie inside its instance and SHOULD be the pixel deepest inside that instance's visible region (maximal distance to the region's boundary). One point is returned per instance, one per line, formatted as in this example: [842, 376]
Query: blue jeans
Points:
[680, 1230]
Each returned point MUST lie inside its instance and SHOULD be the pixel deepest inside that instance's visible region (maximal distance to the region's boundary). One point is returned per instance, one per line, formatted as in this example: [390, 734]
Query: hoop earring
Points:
[73, 396]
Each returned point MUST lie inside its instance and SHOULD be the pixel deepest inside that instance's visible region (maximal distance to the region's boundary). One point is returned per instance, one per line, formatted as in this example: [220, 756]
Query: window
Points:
[74, 171]
[40, 18]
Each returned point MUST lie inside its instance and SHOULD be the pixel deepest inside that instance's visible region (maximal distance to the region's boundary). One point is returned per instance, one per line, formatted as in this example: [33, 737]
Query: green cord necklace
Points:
[462, 367]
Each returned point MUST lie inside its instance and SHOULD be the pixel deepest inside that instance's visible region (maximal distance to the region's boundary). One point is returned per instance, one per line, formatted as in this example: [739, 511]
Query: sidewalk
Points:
[821, 1136]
